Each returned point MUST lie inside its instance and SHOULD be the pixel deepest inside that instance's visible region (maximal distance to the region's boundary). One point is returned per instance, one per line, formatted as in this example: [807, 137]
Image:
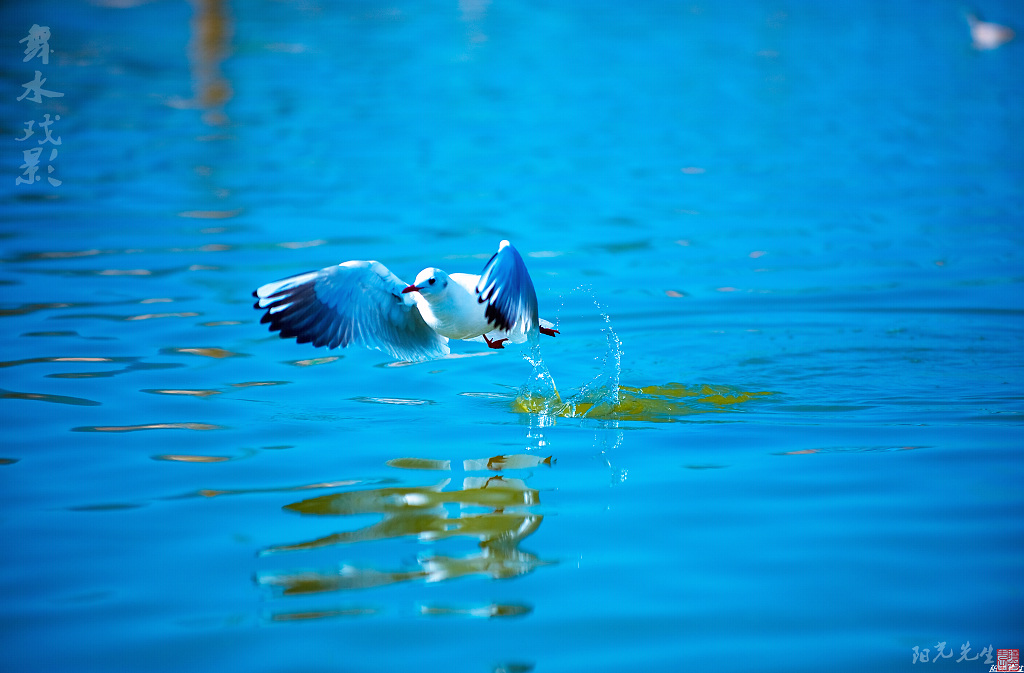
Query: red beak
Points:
[411, 288]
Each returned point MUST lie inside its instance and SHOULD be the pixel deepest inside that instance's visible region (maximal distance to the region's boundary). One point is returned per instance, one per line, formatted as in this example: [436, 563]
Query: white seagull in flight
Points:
[361, 302]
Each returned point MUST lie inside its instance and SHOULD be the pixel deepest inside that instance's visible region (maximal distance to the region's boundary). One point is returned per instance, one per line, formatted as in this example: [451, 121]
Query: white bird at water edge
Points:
[362, 302]
[987, 35]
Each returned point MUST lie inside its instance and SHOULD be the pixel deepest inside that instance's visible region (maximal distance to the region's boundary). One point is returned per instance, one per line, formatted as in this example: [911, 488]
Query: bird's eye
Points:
[432, 281]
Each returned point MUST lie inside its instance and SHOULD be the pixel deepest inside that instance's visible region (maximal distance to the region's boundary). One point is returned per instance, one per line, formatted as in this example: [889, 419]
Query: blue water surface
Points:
[783, 242]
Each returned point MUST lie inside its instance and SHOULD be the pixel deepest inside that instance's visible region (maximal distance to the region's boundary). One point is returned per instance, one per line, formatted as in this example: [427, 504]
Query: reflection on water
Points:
[656, 404]
[420, 464]
[662, 403]
[497, 463]
[211, 28]
[496, 510]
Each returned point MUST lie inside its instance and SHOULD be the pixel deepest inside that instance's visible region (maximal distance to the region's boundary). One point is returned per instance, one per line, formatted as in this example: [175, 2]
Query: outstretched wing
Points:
[352, 303]
[506, 288]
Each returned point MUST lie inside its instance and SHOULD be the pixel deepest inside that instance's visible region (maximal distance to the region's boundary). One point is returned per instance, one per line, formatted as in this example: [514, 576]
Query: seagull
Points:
[362, 302]
[988, 35]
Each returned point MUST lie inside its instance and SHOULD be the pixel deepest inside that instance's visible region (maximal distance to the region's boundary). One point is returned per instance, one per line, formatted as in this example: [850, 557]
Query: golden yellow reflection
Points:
[657, 403]
[420, 464]
[494, 510]
[212, 27]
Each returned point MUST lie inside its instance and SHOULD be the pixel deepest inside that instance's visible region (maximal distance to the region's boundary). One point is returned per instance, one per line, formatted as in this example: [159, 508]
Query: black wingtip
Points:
[496, 318]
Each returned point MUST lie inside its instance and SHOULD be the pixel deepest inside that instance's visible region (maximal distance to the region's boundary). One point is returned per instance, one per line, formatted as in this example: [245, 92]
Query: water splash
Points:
[539, 394]
[605, 398]
[601, 395]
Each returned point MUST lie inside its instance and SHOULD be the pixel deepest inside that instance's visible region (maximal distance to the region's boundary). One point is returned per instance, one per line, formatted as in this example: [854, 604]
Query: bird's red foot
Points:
[497, 343]
[549, 331]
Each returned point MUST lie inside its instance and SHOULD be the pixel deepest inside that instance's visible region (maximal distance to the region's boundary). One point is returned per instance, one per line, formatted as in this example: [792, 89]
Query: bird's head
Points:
[429, 282]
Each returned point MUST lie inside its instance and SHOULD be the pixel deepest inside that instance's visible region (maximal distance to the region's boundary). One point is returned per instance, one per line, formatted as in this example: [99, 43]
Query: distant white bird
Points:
[988, 35]
[361, 302]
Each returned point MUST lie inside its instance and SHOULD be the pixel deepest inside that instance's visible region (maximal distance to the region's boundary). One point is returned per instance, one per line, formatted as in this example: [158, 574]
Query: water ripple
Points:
[211, 352]
[190, 393]
[400, 401]
[151, 426]
[41, 397]
[24, 309]
[485, 611]
[131, 364]
[180, 458]
[29, 361]
[314, 361]
[130, 318]
[321, 614]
